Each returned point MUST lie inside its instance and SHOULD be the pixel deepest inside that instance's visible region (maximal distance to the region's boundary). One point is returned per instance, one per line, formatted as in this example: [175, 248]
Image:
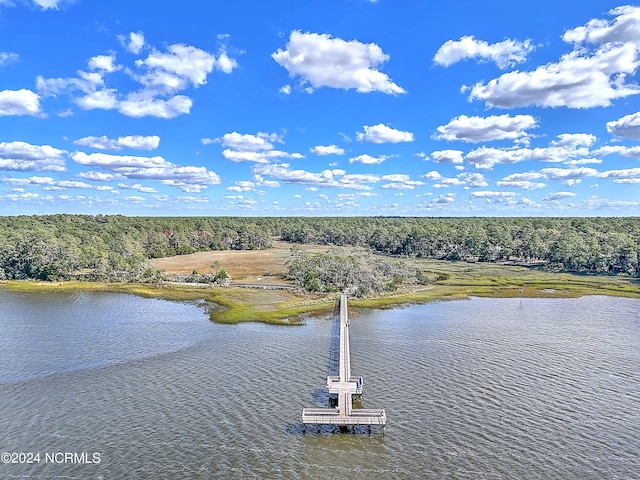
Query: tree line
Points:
[117, 248]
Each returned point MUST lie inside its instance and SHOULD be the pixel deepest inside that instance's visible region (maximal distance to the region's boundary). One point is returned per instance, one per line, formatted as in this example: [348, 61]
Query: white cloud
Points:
[249, 142]
[627, 152]
[400, 181]
[136, 142]
[324, 61]
[138, 187]
[625, 27]
[48, 4]
[474, 180]
[175, 69]
[134, 43]
[568, 173]
[327, 150]
[523, 184]
[383, 134]
[494, 196]
[487, 157]
[447, 156]
[558, 196]
[626, 127]
[444, 199]
[136, 106]
[100, 176]
[104, 99]
[574, 140]
[368, 159]
[583, 78]
[484, 129]
[286, 89]
[6, 58]
[505, 54]
[21, 156]
[432, 175]
[257, 157]
[19, 102]
[104, 63]
[326, 178]
[161, 74]
[187, 178]
[628, 176]
[522, 180]
[598, 203]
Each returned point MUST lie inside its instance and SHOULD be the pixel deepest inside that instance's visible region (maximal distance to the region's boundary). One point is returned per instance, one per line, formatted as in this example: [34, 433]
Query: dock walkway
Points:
[345, 386]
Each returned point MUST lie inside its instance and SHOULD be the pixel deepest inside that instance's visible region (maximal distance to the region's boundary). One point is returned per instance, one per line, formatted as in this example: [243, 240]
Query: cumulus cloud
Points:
[505, 54]
[567, 148]
[493, 196]
[570, 176]
[249, 142]
[383, 134]
[626, 127]
[100, 176]
[327, 150]
[522, 180]
[444, 199]
[257, 157]
[135, 142]
[252, 148]
[576, 81]
[400, 181]
[625, 27]
[176, 69]
[594, 74]
[627, 152]
[628, 175]
[162, 76]
[19, 102]
[484, 129]
[558, 196]
[134, 43]
[187, 178]
[447, 156]
[6, 58]
[368, 159]
[320, 60]
[21, 156]
[48, 4]
[327, 178]
[45, 183]
[138, 106]
[574, 140]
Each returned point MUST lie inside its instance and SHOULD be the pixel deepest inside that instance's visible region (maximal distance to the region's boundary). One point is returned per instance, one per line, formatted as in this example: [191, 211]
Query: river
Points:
[475, 389]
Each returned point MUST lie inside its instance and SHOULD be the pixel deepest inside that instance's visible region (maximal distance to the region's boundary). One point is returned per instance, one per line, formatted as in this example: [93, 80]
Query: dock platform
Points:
[345, 386]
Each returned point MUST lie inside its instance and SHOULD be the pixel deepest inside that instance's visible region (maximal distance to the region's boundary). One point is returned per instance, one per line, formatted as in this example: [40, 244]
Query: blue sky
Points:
[339, 107]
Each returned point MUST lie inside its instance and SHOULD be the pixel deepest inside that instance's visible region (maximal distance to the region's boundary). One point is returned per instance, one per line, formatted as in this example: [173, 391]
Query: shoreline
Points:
[232, 305]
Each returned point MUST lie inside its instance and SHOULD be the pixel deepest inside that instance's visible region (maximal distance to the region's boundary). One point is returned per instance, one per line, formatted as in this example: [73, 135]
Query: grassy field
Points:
[448, 281]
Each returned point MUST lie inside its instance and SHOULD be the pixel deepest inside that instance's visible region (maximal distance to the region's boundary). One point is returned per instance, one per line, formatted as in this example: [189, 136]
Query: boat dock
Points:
[345, 386]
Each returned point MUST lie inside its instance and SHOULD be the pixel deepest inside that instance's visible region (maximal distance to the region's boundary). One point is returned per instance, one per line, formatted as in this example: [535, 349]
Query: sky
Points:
[333, 107]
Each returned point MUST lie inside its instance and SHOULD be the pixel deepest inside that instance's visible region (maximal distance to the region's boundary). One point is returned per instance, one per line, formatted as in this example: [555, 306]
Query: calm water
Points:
[473, 389]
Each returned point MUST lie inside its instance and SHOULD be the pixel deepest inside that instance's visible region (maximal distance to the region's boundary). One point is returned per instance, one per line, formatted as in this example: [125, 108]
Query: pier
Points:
[345, 386]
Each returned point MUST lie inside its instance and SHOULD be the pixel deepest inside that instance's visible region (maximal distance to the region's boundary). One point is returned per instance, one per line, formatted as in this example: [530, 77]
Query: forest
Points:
[115, 248]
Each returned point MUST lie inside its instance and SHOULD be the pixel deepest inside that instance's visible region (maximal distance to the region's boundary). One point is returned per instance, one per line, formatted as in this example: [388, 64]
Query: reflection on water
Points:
[472, 389]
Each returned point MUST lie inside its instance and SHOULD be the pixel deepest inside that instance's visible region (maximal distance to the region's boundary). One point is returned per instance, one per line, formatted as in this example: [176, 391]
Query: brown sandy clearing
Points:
[246, 266]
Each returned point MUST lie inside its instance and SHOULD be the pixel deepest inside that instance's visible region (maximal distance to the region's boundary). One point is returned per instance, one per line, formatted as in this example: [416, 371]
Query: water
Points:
[485, 388]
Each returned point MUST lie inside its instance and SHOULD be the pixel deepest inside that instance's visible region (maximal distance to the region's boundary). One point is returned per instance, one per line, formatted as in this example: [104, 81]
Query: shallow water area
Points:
[483, 388]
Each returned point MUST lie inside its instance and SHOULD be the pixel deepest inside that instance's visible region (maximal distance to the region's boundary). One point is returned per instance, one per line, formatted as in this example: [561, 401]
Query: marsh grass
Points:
[448, 281]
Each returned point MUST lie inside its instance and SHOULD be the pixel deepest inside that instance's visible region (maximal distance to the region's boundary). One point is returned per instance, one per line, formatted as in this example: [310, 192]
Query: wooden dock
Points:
[345, 386]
